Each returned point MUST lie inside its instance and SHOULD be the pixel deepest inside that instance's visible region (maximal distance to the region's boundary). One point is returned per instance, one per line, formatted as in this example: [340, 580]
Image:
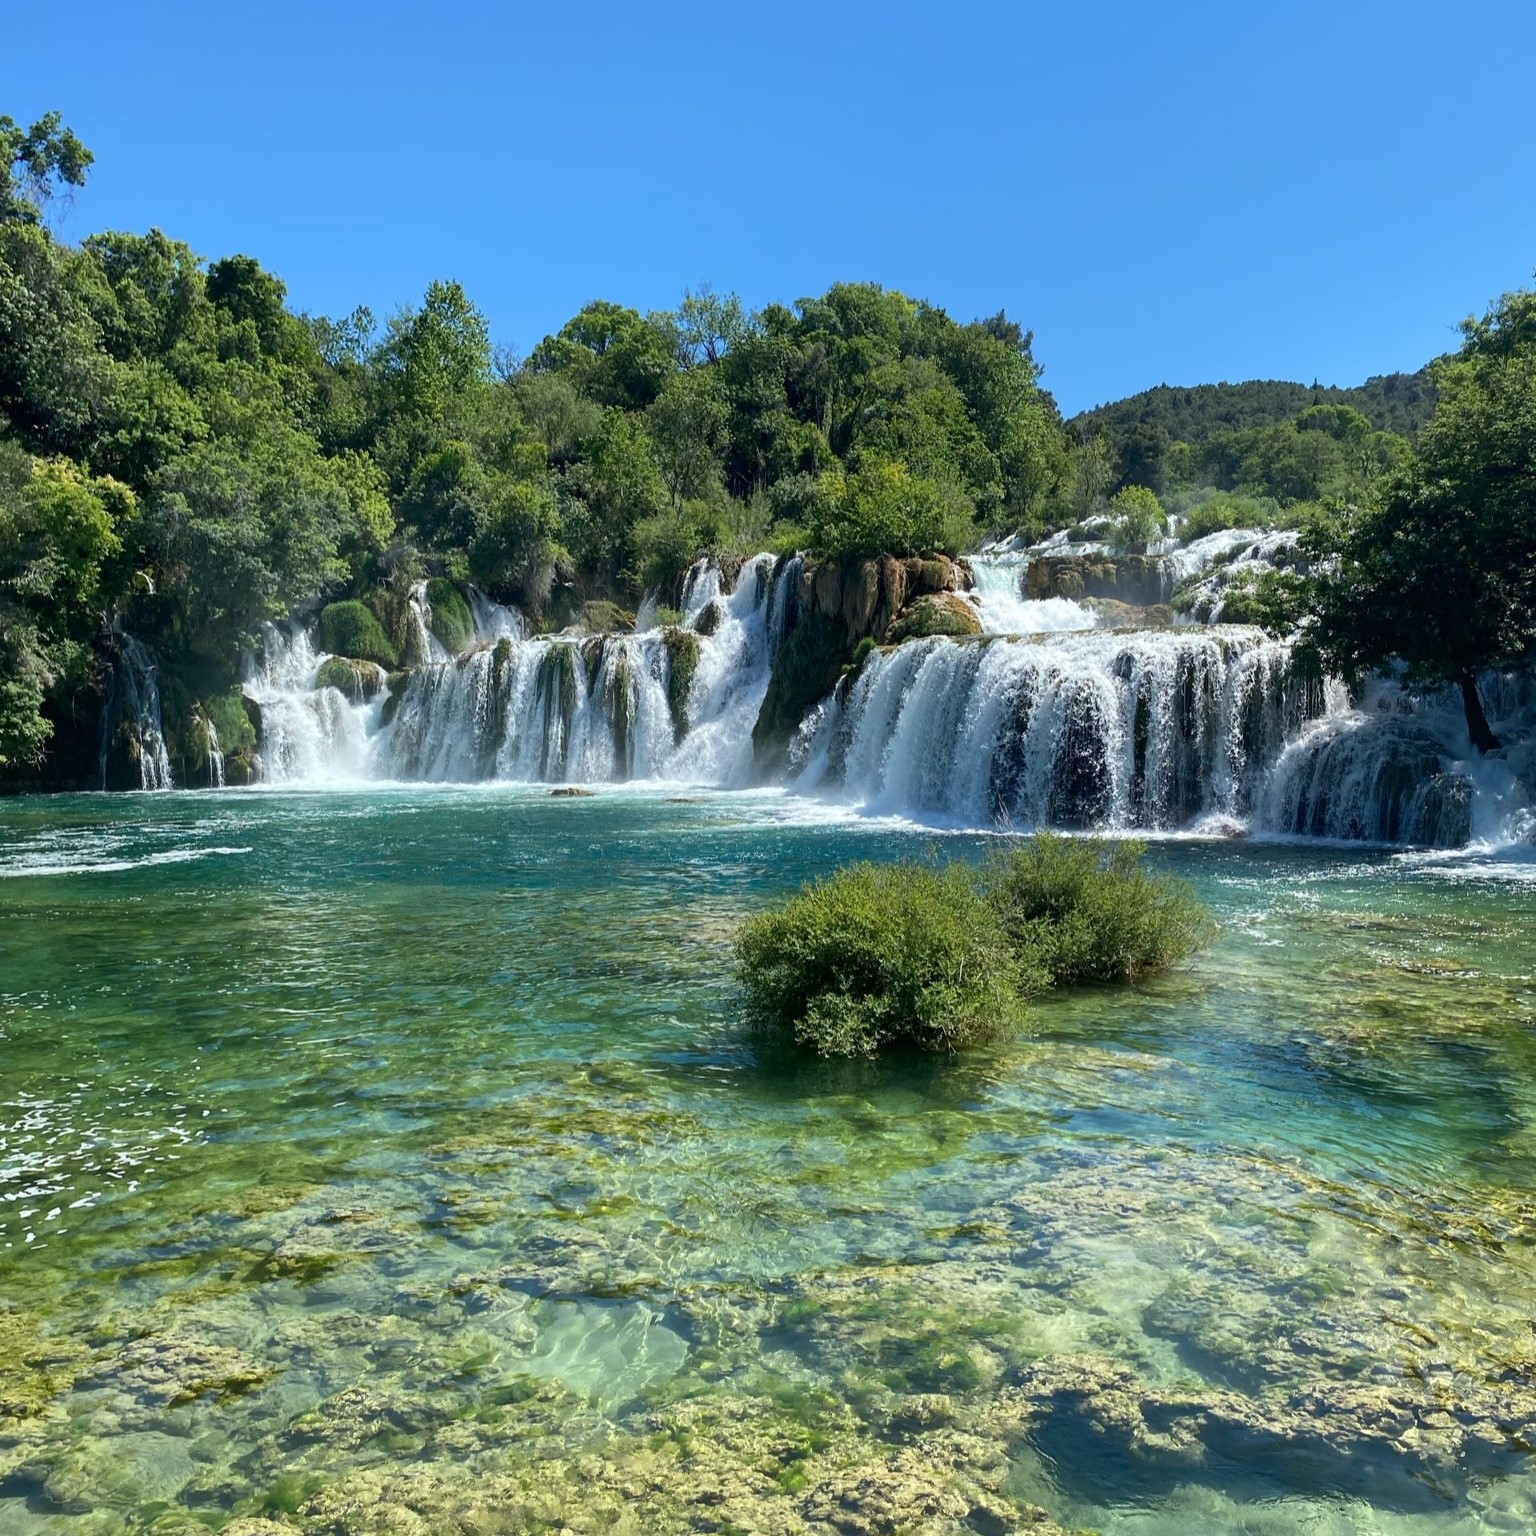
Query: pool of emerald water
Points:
[394, 1161]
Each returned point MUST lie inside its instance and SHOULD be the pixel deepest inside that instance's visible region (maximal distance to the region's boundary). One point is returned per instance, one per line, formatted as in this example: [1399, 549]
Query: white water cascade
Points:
[1043, 720]
[308, 734]
[1153, 729]
[130, 715]
[998, 596]
[674, 703]
[215, 756]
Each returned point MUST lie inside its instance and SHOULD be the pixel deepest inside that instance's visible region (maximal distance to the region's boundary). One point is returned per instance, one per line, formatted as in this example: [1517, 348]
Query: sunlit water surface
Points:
[394, 1161]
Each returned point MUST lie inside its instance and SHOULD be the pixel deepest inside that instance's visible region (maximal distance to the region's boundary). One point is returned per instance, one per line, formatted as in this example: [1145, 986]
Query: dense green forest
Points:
[1243, 436]
[184, 457]
[181, 452]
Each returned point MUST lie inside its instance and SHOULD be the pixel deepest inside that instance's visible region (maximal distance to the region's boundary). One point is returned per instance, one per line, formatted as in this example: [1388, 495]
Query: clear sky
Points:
[1165, 192]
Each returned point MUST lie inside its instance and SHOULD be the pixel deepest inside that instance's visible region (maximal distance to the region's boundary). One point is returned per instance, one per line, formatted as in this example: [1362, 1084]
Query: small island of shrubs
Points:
[940, 956]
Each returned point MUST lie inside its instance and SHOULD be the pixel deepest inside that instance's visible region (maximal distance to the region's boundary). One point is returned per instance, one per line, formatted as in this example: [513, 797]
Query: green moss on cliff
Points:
[452, 622]
[357, 680]
[683, 659]
[805, 670]
[943, 613]
[351, 629]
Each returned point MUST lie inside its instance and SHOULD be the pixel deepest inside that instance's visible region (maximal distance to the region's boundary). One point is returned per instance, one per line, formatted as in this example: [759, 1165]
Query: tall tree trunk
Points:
[1477, 722]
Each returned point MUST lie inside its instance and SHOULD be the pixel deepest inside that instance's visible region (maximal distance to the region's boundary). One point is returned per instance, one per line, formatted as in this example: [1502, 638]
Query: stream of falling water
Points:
[1045, 720]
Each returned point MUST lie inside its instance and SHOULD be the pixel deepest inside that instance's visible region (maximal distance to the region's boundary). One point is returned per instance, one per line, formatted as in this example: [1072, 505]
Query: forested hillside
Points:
[184, 457]
[1172, 438]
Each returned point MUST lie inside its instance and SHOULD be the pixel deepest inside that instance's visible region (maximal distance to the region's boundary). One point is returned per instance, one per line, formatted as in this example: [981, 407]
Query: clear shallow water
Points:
[392, 1161]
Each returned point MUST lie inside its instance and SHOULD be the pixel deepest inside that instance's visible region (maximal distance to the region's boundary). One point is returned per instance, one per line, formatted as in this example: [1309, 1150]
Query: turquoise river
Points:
[394, 1162]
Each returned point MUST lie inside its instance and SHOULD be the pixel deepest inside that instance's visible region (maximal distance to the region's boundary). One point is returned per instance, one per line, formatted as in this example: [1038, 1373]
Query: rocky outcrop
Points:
[867, 596]
[938, 613]
[1143, 581]
[359, 681]
[835, 606]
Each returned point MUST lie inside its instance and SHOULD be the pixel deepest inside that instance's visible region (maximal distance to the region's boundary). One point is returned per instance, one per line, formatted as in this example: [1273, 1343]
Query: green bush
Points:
[1082, 909]
[1218, 512]
[452, 622]
[1274, 600]
[911, 955]
[350, 629]
[880, 955]
[1136, 519]
[887, 510]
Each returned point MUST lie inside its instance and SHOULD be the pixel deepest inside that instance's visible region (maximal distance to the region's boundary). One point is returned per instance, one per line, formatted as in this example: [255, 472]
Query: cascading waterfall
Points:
[998, 596]
[1402, 770]
[493, 621]
[308, 734]
[662, 704]
[215, 756]
[1156, 729]
[422, 647]
[1044, 720]
[130, 715]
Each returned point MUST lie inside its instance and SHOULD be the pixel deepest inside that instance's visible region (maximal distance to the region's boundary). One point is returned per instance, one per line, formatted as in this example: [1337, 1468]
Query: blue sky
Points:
[1172, 193]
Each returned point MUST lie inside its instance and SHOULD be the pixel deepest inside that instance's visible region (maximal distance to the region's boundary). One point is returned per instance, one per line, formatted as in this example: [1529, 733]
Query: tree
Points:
[58, 530]
[1138, 516]
[1438, 571]
[614, 355]
[707, 326]
[35, 164]
[687, 422]
[1093, 472]
[886, 509]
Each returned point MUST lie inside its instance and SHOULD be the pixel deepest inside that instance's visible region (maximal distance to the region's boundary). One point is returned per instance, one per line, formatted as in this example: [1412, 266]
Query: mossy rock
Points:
[501, 658]
[351, 629]
[453, 624]
[358, 681]
[708, 621]
[398, 682]
[805, 671]
[393, 613]
[227, 713]
[939, 613]
[932, 574]
[683, 655]
[601, 617]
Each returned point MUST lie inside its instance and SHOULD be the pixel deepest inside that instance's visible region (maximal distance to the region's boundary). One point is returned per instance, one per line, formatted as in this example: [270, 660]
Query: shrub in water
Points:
[1080, 909]
[880, 955]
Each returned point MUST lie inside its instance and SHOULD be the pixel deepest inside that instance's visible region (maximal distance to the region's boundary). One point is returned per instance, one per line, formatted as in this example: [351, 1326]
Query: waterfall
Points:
[1044, 720]
[1156, 729]
[422, 647]
[130, 715]
[215, 756]
[1223, 559]
[493, 621]
[1398, 769]
[663, 704]
[998, 596]
[308, 734]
